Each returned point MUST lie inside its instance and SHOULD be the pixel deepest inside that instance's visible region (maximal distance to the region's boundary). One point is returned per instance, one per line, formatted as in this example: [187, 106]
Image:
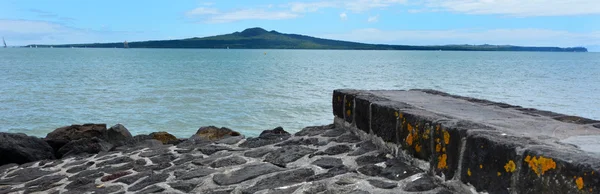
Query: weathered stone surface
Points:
[118, 160]
[287, 154]
[164, 137]
[358, 192]
[425, 183]
[281, 179]
[246, 173]
[214, 133]
[338, 170]
[371, 159]
[328, 162]
[382, 184]
[211, 149]
[347, 138]
[44, 183]
[314, 130]
[150, 180]
[153, 189]
[153, 167]
[24, 175]
[95, 173]
[371, 170]
[115, 176]
[267, 137]
[302, 141]
[63, 135]
[155, 152]
[337, 149]
[258, 152]
[397, 169]
[210, 159]
[84, 146]
[384, 120]
[336, 132]
[230, 140]
[165, 158]
[20, 148]
[196, 173]
[128, 180]
[185, 158]
[229, 161]
[186, 187]
[363, 148]
[118, 135]
[7, 167]
[338, 103]
[140, 162]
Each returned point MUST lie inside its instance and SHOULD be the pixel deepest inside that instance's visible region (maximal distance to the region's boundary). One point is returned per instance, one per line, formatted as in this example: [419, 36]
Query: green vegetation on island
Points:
[258, 38]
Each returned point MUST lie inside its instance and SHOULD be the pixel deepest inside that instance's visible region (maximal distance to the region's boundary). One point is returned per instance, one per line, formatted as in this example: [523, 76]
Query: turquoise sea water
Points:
[179, 90]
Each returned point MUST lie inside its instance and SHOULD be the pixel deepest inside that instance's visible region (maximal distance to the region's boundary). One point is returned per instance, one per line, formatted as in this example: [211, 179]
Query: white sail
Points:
[4, 42]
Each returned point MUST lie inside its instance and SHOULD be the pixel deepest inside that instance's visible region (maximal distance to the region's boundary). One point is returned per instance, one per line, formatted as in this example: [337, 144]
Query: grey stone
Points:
[210, 159]
[152, 189]
[63, 135]
[117, 168]
[267, 137]
[230, 140]
[185, 158]
[363, 148]
[226, 190]
[328, 162]
[258, 152]
[20, 148]
[87, 174]
[184, 150]
[334, 132]
[396, 169]
[301, 141]
[382, 184]
[49, 163]
[314, 130]
[196, 173]
[118, 135]
[115, 176]
[246, 173]
[358, 192]
[370, 159]
[107, 190]
[287, 154]
[425, 183]
[337, 149]
[140, 162]
[371, 170]
[128, 180]
[79, 168]
[44, 183]
[338, 170]
[287, 190]
[281, 179]
[165, 158]
[24, 175]
[229, 161]
[150, 180]
[347, 138]
[84, 146]
[153, 167]
[155, 152]
[118, 160]
[74, 163]
[186, 187]
[211, 149]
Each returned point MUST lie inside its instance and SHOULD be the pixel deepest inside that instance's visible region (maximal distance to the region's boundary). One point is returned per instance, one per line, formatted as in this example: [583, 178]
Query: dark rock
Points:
[210, 159]
[63, 135]
[363, 148]
[84, 146]
[164, 137]
[93, 174]
[382, 184]
[370, 159]
[196, 173]
[422, 184]
[117, 168]
[281, 179]
[229, 161]
[334, 132]
[20, 148]
[302, 141]
[358, 192]
[184, 151]
[397, 169]
[194, 142]
[44, 183]
[152, 189]
[140, 162]
[258, 152]
[150, 180]
[79, 168]
[277, 132]
[107, 190]
[186, 187]
[49, 163]
[166, 158]
[370, 170]
[184, 159]
[230, 140]
[24, 175]
[213, 133]
[75, 163]
[347, 138]
[153, 167]
[118, 160]
[328, 162]
[337, 149]
[115, 176]
[287, 154]
[6, 167]
[226, 190]
[289, 190]
[267, 137]
[118, 135]
[338, 170]
[314, 130]
[128, 180]
[211, 149]
[155, 152]
[245, 173]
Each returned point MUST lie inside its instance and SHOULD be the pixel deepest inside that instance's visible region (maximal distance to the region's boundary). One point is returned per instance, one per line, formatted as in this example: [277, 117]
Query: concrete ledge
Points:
[495, 147]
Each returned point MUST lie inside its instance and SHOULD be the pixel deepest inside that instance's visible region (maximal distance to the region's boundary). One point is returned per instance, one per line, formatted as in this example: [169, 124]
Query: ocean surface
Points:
[180, 90]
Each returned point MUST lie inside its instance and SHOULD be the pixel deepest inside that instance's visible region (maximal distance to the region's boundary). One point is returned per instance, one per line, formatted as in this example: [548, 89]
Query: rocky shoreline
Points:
[91, 158]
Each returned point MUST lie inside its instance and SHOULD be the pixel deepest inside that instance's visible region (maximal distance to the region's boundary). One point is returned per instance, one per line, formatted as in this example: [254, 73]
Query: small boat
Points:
[4, 42]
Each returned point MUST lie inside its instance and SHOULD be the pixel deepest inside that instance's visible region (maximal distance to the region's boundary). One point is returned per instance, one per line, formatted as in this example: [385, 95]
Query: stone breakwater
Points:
[322, 159]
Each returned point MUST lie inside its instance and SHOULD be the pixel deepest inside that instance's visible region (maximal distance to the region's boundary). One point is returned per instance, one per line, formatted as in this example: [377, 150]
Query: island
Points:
[258, 38]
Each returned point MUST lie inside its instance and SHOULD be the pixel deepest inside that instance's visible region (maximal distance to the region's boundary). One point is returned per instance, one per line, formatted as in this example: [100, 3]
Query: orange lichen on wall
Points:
[541, 164]
[426, 134]
[442, 162]
[499, 174]
[348, 112]
[468, 171]
[579, 182]
[409, 138]
[510, 166]
[446, 137]
[438, 148]
[418, 148]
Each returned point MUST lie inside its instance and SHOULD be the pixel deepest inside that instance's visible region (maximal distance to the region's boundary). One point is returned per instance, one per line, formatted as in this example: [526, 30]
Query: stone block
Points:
[415, 131]
[338, 103]
[384, 117]
[552, 171]
[362, 110]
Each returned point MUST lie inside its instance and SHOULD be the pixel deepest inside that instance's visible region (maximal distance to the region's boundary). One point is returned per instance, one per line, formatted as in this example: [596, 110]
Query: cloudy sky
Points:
[563, 23]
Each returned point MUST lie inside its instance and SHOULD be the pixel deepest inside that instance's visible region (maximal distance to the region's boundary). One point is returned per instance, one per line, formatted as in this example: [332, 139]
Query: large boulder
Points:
[20, 148]
[214, 133]
[116, 135]
[84, 146]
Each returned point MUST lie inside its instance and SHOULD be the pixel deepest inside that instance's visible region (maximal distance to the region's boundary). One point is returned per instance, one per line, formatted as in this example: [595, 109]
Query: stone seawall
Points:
[495, 147]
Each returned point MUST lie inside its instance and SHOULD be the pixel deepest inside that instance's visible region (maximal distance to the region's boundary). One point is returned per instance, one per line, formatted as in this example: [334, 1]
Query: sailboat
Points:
[4, 42]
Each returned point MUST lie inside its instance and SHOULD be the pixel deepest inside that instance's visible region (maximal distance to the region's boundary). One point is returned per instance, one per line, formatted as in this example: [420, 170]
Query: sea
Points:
[180, 90]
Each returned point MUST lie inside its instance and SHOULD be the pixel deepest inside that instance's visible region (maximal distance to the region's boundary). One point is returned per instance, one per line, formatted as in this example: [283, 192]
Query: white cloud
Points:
[519, 8]
[202, 11]
[352, 5]
[373, 19]
[249, 14]
[343, 16]
[524, 37]
[310, 7]
[364, 5]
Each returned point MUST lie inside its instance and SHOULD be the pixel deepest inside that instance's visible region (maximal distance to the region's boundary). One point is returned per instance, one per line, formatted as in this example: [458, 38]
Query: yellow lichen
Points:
[541, 164]
[339, 98]
[163, 137]
[437, 128]
[468, 171]
[443, 149]
[426, 134]
[400, 115]
[348, 112]
[396, 113]
[409, 127]
[499, 174]
[437, 140]
[510, 166]
[442, 161]
[418, 148]
[446, 137]
[438, 148]
[409, 139]
[579, 183]
[481, 166]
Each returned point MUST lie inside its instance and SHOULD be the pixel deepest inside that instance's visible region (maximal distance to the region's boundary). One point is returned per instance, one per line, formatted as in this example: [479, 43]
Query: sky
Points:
[565, 23]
